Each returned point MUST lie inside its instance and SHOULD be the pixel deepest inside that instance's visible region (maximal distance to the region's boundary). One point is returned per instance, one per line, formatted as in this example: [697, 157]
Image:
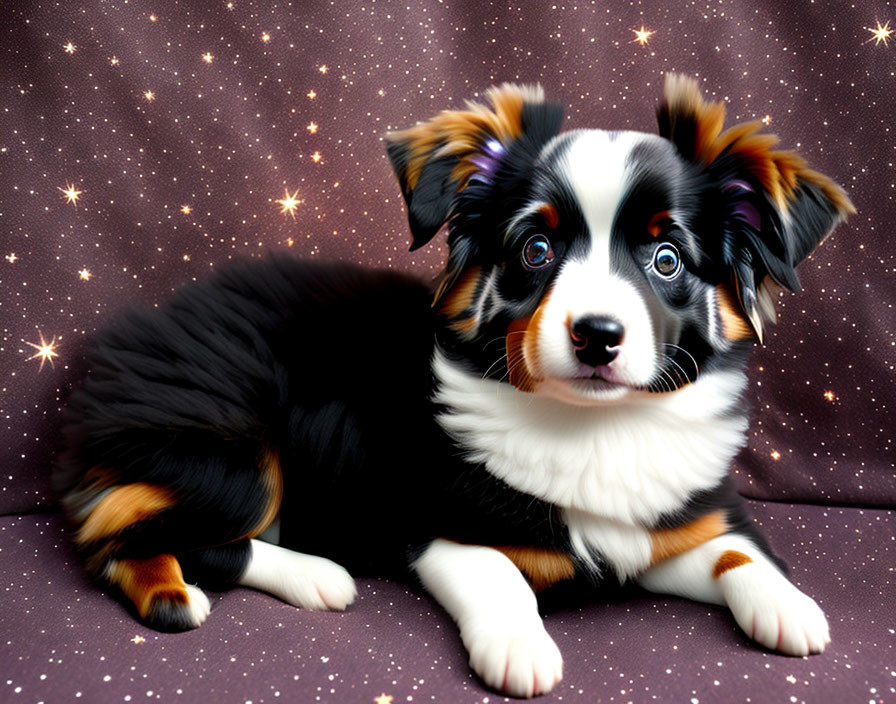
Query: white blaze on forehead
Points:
[596, 166]
[598, 171]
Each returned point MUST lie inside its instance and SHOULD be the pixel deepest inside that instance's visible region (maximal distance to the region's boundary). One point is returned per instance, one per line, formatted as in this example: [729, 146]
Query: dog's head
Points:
[590, 264]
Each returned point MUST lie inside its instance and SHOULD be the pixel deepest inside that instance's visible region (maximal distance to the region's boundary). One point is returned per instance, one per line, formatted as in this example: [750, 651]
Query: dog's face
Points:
[590, 264]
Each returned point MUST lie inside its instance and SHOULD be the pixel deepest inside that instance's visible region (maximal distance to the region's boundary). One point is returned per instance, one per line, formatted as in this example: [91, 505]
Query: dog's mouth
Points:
[589, 386]
[604, 376]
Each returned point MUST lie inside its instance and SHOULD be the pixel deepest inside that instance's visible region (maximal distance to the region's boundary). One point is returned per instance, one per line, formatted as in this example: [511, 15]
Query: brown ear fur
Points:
[776, 209]
[435, 161]
[686, 118]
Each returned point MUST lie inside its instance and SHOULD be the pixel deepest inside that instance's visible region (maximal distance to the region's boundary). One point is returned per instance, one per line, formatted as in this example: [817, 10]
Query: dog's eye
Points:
[537, 253]
[666, 261]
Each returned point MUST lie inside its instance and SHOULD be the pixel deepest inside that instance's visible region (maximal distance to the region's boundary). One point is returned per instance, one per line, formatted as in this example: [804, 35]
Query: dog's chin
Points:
[585, 391]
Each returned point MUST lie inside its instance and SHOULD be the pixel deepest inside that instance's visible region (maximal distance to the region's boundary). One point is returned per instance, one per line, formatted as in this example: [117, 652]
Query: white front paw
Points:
[316, 583]
[773, 612]
[514, 659]
[306, 581]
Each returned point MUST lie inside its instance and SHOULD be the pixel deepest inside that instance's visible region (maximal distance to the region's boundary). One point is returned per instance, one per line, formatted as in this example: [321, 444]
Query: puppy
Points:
[564, 403]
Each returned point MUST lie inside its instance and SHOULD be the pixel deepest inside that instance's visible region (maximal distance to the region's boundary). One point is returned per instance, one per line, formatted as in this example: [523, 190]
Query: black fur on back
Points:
[328, 366]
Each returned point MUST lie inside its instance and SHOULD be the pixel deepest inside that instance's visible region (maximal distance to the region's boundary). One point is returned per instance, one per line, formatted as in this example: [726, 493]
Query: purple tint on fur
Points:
[494, 147]
[744, 208]
[488, 163]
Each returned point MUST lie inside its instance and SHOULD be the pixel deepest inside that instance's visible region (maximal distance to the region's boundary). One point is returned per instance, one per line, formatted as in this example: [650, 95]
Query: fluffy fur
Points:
[563, 404]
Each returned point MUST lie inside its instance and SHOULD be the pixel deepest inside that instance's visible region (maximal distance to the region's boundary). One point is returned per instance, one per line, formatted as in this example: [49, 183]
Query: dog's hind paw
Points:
[178, 610]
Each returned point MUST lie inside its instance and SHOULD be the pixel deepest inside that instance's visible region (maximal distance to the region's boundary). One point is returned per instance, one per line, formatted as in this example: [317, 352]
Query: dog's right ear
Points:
[434, 161]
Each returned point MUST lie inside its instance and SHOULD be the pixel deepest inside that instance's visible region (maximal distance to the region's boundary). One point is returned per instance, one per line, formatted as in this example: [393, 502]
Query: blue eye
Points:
[666, 261]
[537, 253]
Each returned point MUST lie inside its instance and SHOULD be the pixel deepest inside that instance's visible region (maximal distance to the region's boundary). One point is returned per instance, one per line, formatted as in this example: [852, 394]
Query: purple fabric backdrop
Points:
[183, 125]
[143, 144]
[62, 637]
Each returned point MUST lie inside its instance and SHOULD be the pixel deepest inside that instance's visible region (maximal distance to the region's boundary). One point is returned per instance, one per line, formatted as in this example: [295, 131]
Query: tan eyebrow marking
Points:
[550, 214]
[656, 223]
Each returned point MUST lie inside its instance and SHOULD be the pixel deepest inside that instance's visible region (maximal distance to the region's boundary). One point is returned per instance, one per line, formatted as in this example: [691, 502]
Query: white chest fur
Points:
[614, 469]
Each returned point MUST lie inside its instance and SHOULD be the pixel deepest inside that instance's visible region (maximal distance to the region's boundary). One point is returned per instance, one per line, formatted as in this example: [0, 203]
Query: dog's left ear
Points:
[436, 160]
[772, 211]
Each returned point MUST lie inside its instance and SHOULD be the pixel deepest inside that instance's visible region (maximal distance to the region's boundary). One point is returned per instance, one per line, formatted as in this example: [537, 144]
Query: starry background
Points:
[143, 144]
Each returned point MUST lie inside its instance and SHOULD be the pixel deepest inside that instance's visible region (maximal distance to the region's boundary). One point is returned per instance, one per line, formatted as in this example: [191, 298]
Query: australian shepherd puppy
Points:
[564, 403]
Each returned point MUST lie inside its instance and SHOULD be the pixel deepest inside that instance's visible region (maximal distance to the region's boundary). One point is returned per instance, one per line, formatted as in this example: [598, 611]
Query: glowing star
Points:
[85, 274]
[153, 18]
[186, 257]
[290, 241]
[775, 455]
[11, 257]
[71, 194]
[642, 35]
[767, 120]
[881, 33]
[45, 351]
[138, 639]
[230, 6]
[114, 61]
[830, 396]
[323, 68]
[383, 699]
[311, 95]
[289, 203]
[316, 157]
[265, 37]
[149, 95]
[69, 48]
[186, 209]
[208, 57]
[312, 127]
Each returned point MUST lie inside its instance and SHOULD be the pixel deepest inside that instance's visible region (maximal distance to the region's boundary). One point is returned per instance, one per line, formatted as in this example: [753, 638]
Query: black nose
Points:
[596, 339]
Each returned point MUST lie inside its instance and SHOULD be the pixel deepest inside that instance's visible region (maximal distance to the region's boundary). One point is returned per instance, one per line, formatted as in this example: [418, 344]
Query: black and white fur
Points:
[573, 392]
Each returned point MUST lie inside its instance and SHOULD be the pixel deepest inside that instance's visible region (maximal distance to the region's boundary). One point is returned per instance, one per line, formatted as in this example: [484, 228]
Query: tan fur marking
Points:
[542, 567]
[734, 326]
[550, 215]
[666, 543]
[831, 190]
[729, 560]
[522, 348]
[100, 476]
[273, 479]
[465, 325]
[657, 222]
[779, 172]
[533, 330]
[518, 373]
[460, 296]
[144, 581]
[123, 507]
[461, 133]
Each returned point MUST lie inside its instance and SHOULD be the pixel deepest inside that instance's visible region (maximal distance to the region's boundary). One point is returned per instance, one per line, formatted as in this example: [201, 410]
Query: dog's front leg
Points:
[731, 570]
[497, 614]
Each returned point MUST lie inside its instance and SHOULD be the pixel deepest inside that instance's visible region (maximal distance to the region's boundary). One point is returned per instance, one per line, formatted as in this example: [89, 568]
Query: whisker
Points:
[503, 337]
[674, 385]
[679, 370]
[693, 360]
[664, 377]
[498, 361]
